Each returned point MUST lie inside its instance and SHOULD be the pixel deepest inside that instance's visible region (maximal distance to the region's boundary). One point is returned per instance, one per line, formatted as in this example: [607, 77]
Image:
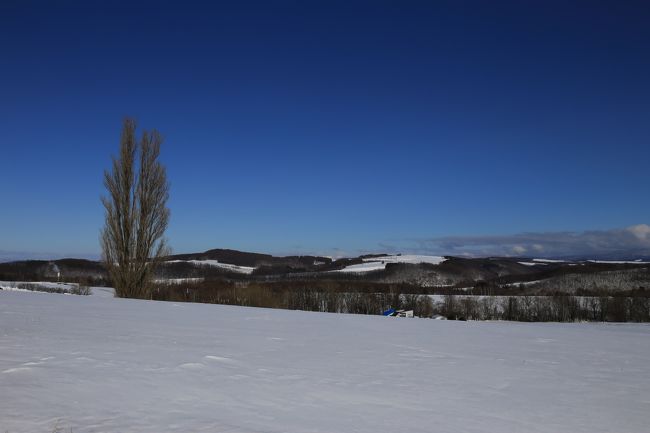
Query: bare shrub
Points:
[80, 289]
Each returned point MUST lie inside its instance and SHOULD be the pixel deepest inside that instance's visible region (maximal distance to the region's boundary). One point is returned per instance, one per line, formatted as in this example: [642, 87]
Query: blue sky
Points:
[329, 127]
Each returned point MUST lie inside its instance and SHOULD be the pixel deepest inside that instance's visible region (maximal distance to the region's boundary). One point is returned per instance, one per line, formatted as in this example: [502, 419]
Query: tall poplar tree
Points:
[136, 213]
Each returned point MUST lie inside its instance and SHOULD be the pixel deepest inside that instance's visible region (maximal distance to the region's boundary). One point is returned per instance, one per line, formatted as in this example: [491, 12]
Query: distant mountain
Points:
[14, 256]
[255, 260]
[415, 270]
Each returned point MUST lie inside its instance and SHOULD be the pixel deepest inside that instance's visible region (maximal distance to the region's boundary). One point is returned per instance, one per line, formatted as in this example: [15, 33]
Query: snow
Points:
[614, 262]
[17, 289]
[95, 364]
[363, 267]
[549, 261]
[179, 280]
[620, 262]
[409, 258]
[379, 263]
[103, 292]
[216, 263]
[15, 285]
[523, 283]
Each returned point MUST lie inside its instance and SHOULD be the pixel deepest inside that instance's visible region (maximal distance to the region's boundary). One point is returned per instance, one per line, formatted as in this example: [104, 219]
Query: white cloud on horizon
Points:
[627, 242]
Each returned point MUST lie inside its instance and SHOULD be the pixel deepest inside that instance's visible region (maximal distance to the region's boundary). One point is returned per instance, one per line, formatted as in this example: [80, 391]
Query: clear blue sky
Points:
[328, 127]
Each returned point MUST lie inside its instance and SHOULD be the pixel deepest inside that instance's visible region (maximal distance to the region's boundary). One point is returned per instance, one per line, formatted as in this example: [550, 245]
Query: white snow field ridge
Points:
[216, 264]
[378, 263]
[95, 364]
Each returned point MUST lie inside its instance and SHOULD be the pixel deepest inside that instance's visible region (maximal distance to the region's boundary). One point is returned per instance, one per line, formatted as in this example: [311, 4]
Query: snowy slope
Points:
[549, 261]
[620, 262]
[363, 267]
[217, 264]
[378, 263]
[15, 285]
[94, 364]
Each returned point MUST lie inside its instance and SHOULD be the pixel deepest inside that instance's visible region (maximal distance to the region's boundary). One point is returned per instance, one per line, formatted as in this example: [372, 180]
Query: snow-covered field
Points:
[97, 364]
[379, 263]
[216, 264]
[621, 262]
[20, 286]
[37, 286]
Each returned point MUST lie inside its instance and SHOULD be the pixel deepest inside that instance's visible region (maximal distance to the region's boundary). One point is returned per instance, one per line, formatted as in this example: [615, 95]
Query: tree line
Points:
[308, 297]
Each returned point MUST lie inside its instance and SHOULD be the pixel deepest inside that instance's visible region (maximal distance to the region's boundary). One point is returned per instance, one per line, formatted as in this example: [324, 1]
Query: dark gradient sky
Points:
[328, 127]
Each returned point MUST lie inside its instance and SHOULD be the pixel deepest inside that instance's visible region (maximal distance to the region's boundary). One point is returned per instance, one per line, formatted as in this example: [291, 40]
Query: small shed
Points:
[398, 313]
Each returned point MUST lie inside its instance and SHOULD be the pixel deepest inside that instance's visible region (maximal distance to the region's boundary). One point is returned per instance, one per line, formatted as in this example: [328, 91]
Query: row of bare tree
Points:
[557, 308]
[564, 308]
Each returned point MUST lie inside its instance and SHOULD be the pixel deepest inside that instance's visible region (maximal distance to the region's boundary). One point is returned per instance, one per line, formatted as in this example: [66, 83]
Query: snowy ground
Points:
[20, 285]
[98, 364]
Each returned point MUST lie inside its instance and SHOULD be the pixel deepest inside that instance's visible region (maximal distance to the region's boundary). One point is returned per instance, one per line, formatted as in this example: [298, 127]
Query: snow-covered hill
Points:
[95, 364]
